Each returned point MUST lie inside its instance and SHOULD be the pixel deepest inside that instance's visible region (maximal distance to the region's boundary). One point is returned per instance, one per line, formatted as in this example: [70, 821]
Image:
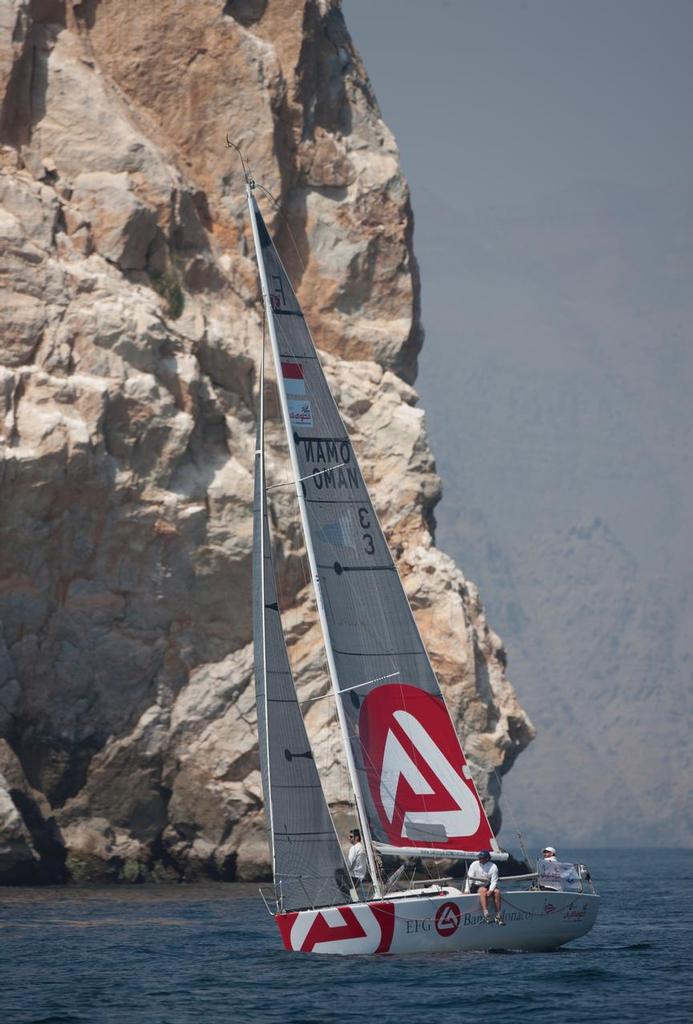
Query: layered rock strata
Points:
[131, 330]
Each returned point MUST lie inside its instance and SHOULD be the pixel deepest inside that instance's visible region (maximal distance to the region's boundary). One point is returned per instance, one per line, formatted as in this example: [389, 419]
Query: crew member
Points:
[548, 877]
[482, 878]
[358, 862]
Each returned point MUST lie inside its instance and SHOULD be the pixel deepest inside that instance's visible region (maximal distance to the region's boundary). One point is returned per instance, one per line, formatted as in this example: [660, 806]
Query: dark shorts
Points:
[475, 886]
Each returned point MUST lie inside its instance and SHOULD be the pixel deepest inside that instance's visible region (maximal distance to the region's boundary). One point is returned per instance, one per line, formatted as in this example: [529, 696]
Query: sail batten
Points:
[408, 770]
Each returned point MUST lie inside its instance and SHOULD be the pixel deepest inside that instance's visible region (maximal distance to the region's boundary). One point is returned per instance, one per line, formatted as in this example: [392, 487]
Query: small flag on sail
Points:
[300, 412]
[294, 384]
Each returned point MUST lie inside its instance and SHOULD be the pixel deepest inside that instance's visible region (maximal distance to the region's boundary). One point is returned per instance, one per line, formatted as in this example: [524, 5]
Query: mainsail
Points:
[309, 868]
[411, 780]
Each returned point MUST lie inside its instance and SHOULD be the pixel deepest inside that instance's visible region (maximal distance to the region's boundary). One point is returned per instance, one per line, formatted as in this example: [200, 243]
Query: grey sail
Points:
[407, 765]
[309, 868]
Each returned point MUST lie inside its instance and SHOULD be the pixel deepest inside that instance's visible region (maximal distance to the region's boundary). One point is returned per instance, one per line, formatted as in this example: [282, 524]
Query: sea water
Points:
[211, 953]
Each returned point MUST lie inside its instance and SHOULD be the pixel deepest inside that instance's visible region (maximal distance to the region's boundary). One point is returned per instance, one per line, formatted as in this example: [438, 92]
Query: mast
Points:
[332, 668]
[307, 858]
[260, 456]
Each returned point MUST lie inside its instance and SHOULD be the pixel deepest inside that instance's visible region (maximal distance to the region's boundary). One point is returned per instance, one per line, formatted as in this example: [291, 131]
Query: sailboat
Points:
[413, 790]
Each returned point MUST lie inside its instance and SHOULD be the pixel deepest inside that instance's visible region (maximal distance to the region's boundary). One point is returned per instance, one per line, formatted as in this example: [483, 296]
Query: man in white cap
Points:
[547, 874]
[482, 878]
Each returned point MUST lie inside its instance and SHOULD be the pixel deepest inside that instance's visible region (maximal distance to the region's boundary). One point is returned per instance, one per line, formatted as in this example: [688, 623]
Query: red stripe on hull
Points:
[385, 916]
[285, 923]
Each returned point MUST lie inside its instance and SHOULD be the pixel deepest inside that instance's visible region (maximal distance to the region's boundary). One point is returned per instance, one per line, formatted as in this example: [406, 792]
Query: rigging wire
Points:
[322, 749]
[516, 829]
[252, 184]
[285, 220]
[246, 176]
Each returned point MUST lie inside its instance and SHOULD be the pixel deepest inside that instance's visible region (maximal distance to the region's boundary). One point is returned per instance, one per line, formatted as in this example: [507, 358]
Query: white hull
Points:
[534, 920]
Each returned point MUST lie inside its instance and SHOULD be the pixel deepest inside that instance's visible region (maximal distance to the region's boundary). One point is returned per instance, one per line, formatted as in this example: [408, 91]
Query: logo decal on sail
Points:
[416, 771]
[277, 297]
[300, 412]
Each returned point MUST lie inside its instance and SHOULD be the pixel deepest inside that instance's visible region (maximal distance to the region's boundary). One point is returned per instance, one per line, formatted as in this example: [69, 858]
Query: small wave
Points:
[586, 974]
[58, 1018]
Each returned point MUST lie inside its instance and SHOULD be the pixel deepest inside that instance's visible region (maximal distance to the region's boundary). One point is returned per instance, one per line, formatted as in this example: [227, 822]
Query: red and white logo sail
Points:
[417, 774]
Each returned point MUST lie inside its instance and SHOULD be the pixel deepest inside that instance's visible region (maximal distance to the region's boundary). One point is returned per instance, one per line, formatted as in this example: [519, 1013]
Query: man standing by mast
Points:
[358, 862]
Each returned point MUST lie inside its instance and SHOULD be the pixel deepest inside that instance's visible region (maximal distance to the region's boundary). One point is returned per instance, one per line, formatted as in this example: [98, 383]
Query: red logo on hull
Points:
[416, 770]
[447, 919]
[321, 931]
[376, 926]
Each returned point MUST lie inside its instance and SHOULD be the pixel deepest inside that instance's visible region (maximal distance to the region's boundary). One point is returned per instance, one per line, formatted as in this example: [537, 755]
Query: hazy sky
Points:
[549, 150]
[500, 101]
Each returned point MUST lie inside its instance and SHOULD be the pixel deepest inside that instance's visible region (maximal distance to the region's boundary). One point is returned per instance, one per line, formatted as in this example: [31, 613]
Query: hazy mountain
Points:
[567, 372]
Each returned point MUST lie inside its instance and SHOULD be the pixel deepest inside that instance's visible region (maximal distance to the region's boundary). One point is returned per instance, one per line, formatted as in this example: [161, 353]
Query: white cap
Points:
[549, 849]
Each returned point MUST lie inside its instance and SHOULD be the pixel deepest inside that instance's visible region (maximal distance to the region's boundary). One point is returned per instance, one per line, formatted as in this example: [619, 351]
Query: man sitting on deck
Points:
[482, 877]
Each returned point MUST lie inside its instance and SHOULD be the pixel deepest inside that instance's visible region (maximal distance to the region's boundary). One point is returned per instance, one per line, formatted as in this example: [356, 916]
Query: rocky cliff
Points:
[131, 328]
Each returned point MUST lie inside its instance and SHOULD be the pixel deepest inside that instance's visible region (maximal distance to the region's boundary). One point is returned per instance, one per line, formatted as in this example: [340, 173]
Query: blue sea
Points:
[211, 953]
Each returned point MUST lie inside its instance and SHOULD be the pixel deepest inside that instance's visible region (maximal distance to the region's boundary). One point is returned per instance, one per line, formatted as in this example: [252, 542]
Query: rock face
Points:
[131, 329]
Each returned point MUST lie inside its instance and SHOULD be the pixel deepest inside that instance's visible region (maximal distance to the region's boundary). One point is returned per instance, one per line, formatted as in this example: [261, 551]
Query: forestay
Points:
[409, 772]
[309, 868]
